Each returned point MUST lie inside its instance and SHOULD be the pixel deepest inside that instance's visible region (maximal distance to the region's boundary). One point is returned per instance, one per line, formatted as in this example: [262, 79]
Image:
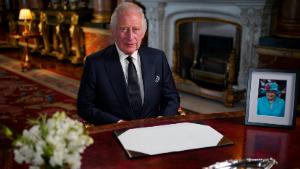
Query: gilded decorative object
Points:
[33, 28]
[61, 33]
[61, 38]
[77, 39]
[44, 31]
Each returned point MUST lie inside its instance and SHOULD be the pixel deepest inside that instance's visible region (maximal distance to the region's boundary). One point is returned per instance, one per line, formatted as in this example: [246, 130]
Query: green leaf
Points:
[7, 132]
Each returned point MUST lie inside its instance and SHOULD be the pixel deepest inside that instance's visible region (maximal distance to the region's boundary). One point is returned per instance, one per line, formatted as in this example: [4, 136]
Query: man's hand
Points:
[120, 121]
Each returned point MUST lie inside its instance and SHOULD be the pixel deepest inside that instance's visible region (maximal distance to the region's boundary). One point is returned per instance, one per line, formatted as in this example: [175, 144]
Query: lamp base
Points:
[25, 65]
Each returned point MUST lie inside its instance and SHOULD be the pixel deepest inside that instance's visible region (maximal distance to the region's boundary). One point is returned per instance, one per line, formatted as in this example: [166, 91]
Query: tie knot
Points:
[129, 58]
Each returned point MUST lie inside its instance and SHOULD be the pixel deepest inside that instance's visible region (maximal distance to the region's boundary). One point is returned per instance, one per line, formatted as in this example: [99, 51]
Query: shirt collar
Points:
[123, 56]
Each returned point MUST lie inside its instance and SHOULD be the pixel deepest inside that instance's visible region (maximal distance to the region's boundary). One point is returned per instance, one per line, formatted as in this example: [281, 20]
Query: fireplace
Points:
[251, 17]
[207, 51]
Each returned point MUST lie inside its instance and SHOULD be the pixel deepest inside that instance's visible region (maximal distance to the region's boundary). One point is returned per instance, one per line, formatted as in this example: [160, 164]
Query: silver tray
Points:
[247, 163]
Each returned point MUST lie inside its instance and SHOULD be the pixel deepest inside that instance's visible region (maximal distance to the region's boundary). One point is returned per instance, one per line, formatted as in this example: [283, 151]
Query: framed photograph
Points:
[271, 98]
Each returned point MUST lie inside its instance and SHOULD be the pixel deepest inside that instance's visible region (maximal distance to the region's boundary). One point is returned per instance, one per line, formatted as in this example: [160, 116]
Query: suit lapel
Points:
[147, 75]
[115, 72]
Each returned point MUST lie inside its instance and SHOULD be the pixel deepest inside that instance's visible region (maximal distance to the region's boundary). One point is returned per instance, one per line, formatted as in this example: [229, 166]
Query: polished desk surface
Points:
[249, 142]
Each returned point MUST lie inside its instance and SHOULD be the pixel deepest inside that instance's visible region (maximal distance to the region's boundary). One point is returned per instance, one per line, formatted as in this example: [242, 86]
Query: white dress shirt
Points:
[137, 63]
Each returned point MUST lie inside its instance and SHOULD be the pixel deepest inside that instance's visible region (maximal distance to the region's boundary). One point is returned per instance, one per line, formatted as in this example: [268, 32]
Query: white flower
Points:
[57, 158]
[57, 141]
[74, 160]
[72, 136]
[19, 158]
[37, 159]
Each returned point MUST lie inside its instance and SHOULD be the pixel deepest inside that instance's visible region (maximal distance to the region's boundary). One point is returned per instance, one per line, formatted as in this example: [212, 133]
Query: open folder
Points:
[169, 138]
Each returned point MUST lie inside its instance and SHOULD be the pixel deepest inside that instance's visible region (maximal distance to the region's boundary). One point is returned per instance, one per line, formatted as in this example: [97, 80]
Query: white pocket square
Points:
[157, 78]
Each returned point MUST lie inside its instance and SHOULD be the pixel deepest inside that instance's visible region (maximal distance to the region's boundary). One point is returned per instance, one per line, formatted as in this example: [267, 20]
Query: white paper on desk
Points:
[169, 138]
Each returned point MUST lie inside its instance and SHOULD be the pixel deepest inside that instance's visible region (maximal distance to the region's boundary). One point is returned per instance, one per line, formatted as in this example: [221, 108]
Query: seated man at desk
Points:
[126, 81]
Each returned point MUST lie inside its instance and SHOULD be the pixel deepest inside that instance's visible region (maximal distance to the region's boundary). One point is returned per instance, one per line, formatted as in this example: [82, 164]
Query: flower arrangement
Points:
[53, 143]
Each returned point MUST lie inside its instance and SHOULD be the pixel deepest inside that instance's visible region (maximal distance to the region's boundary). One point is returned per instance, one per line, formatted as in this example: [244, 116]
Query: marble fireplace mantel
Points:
[254, 16]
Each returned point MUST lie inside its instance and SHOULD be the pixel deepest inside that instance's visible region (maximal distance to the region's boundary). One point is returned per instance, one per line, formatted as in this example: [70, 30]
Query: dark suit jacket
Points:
[102, 96]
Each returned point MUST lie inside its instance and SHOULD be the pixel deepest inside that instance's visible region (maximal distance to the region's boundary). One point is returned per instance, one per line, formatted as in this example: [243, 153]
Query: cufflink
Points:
[157, 78]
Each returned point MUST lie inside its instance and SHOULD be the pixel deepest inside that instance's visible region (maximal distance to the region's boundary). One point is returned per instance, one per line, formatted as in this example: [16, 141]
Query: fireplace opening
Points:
[207, 53]
[212, 58]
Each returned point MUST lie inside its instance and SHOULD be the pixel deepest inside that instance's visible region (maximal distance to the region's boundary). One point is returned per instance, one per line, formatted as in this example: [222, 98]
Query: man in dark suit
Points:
[125, 81]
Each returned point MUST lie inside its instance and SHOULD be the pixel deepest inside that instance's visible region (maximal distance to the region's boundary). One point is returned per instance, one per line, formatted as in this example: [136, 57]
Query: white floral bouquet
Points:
[54, 143]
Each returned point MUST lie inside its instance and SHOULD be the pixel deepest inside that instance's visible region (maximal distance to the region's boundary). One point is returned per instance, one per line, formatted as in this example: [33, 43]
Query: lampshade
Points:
[25, 14]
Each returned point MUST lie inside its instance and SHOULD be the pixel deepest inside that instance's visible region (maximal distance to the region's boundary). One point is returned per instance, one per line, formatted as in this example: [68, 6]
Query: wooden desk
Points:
[249, 142]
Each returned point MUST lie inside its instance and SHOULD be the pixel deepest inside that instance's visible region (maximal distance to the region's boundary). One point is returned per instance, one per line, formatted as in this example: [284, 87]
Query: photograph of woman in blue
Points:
[271, 99]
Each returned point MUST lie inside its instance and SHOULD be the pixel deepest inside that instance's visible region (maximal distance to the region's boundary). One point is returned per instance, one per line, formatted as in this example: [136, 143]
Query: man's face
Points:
[271, 95]
[128, 33]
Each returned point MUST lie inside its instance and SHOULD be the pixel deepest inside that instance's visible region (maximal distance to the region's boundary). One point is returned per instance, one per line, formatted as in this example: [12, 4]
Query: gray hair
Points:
[127, 6]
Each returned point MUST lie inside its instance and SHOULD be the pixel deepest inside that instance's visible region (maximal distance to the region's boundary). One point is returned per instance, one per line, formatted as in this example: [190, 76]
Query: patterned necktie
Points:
[134, 93]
